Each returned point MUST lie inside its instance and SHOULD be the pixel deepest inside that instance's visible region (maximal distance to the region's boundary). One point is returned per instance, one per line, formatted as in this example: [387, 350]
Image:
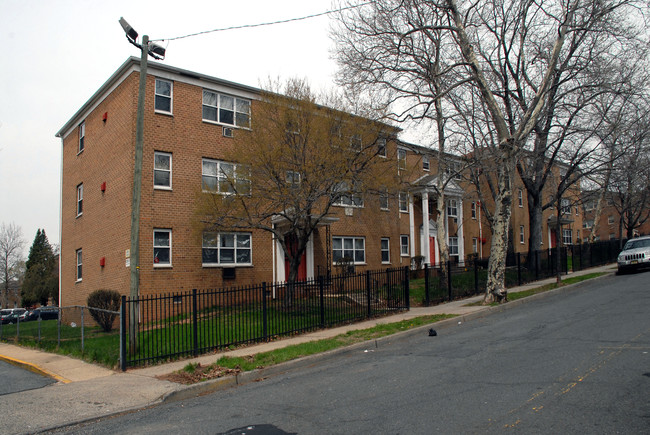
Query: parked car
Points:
[635, 254]
[46, 313]
[11, 315]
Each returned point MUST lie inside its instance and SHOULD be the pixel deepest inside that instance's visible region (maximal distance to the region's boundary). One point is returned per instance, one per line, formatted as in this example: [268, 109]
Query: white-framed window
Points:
[82, 137]
[404, 245]
[231, 249]
[385, 250]
[567, 236]
[474, 245]
[293, 178]
[521, 234]
[453, 170]
[452, 208]
[577, 212]
[162, 247]
[401, 158]
[80, 199]
[79, 256]
[353, 248]
[347, 196]
[226, 178]
[381, 147]
[587, 224]
[453, 245]
[610, 219]
[162, 170]
[520, 198]
[225, 109]
[403, 202]
[473, 209]
[163, 96]
[566, 206]
[383, 200]
[425, 163]
[612, 236]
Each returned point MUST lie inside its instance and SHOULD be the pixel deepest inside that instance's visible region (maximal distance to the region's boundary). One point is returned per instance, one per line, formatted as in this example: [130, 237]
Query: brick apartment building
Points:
[609, 225]
[189, 120]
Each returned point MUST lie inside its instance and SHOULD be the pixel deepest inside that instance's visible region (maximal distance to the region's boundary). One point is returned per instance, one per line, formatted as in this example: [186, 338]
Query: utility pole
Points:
[157, 52]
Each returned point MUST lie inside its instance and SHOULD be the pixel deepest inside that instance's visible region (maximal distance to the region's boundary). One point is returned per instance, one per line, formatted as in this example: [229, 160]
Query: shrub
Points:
[104, 300]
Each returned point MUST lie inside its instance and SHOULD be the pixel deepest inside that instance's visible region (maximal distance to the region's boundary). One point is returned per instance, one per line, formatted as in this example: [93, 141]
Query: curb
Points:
[257, 375]
[34, 368]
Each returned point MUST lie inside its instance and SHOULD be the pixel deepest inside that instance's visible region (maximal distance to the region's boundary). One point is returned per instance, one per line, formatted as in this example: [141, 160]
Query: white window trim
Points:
[218, 248]
[80, 199]
[452, 208]
[426, 163]
[234, 110]
[405, 197]
[81, 146]
[384, 195]
[170, 96]
[401, 162]
[565, 232]
[382, 250]
[381, 145]
[473, 210]
[521, 234]
[340, 202]
[155, 186]
[404, 247]
[475, 245]
[163, 265]
[454, 245]
[354, 240]
[79, 261]
[520, 198]
[222, 175]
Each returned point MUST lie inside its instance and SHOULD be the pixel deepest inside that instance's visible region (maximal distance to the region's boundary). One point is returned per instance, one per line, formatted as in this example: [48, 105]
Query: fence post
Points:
[368, 283]
[427, 297]
[475, 275]
[195, 324]
[406, 287]
[321, 294]
[518, 268]
[123, 334]
[265, 315]
[449, 278]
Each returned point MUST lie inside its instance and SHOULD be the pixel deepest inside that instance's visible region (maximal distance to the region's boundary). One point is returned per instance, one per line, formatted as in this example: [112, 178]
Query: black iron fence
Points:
[470, 277]
[191, 323]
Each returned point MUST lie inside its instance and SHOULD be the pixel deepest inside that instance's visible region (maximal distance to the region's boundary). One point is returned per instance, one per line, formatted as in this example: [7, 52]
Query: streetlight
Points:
[147, 49]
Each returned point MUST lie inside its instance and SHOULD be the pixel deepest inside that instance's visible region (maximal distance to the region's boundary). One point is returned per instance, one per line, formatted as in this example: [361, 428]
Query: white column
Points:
[411, 226]
[424, 248]
[310, 257]
[461, 238]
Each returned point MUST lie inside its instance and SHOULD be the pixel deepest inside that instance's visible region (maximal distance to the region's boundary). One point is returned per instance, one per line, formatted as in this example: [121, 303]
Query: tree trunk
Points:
[535, 222]
[495, 289]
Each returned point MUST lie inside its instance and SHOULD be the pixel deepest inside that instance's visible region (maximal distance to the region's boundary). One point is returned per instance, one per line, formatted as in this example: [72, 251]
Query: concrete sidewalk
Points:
[85, 391]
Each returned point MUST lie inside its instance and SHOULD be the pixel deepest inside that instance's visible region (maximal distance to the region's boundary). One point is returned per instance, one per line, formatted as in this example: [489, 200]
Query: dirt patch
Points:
[199, 373]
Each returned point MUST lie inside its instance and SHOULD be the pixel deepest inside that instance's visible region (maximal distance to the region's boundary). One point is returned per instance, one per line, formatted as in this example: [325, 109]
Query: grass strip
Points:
[265, 359]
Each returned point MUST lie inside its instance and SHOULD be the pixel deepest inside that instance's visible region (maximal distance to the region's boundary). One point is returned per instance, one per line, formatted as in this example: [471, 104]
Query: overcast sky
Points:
[57, 53]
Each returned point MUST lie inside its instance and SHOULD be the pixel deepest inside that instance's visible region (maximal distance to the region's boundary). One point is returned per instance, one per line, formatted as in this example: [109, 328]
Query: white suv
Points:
[635, 254]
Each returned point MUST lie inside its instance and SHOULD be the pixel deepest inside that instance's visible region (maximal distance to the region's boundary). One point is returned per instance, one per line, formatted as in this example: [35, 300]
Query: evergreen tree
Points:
[41, 274]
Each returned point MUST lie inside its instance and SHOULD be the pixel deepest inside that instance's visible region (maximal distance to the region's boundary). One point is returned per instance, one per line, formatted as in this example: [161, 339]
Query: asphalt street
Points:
[577, 361]
[16, 379]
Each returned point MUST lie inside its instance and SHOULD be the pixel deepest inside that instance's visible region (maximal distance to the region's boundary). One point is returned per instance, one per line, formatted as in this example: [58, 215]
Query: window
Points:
[403, 202]
[452, 208]
[226, 249]
[162, 247]
[347, 197]
[353, 248]
[226, 178]
[577, 213]
[474, 245]
[612, 236]
[473, 210]
[381, 147]
[521, 234]
[610, 219]
[163, 97]
[567, 236]
[401, 159]
[79, 265]
[453, 170]
[82, 136]
[566, 206]
[162, 170]
[453, 245]
[225, 109]
[520, 198]
[293, 178]
[587, 223]
[383, 200]
[80, 199]
[425, 163]
[404, 245]
[385, 250]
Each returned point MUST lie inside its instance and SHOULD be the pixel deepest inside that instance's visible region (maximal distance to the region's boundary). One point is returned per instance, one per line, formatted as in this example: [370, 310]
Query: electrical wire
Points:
[246, 26]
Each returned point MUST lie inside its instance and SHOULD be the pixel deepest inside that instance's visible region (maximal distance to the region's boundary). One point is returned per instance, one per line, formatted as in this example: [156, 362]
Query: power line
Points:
[246, 26]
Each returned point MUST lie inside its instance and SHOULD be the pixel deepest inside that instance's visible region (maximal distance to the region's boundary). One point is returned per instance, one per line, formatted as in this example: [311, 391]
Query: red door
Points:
[432, 250]
[292, 246]
[553, 238]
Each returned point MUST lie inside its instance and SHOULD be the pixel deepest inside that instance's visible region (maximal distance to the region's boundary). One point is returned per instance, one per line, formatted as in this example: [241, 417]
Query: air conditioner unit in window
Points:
[228, 132]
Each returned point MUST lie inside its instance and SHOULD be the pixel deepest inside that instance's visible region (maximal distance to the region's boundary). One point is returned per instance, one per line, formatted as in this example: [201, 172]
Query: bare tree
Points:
[11, 256]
